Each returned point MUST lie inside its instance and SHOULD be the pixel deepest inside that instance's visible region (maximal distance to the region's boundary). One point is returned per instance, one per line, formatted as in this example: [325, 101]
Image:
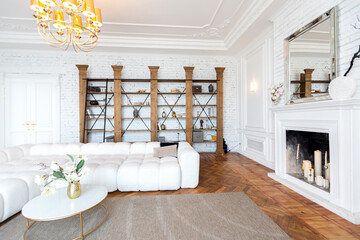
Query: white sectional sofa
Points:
[117, 166]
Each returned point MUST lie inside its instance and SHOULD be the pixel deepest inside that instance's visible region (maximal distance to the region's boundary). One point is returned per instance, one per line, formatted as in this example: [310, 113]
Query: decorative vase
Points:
[211, 88]
[342, 88]
[276, 100]
[74, 190]
[136, 113]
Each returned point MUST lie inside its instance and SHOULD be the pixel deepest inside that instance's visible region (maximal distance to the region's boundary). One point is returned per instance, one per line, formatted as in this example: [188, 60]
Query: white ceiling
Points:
[196, 25]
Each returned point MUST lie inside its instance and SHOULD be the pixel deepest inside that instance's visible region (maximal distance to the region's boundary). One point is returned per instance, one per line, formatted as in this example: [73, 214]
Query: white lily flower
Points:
[40, 179]
[81, 157]
[48, 190]
[74, 177]
[84, 171]
[55, 166]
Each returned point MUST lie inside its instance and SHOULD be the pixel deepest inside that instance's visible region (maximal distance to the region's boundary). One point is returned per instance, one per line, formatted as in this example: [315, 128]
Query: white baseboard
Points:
[352, 217]
[258, 159]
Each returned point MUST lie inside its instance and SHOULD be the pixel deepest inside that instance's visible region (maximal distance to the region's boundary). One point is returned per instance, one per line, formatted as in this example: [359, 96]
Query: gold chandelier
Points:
[60, 32]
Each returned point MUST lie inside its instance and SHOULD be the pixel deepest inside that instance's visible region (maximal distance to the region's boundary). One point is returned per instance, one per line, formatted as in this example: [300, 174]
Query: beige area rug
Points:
[188, 216]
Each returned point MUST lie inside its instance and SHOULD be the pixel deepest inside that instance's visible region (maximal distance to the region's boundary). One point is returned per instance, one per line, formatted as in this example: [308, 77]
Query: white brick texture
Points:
[135, 66]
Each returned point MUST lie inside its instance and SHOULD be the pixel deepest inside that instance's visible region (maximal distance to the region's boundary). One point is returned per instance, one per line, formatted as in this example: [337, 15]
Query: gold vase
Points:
[74, 190]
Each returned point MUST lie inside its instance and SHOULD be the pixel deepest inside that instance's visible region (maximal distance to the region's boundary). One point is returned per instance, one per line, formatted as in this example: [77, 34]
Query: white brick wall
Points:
[135, 66]
[298, 13]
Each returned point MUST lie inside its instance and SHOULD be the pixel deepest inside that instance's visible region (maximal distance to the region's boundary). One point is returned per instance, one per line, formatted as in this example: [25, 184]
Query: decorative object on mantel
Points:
[70, 172]
[60, 32]
[342, 88]
[276, 92]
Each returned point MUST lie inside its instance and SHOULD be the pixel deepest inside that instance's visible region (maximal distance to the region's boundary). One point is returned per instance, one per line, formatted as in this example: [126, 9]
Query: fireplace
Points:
[327, 126]
[308, 157]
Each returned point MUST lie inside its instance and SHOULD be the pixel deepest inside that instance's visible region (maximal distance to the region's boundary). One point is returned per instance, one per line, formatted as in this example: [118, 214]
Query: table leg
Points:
[28, 226]
[81, 226]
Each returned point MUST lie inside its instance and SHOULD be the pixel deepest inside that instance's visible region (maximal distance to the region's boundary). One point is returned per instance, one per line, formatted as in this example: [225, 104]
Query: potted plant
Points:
[70, 172]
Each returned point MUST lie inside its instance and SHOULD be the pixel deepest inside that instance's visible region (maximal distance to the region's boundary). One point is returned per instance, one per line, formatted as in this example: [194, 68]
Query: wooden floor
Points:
[299, 217]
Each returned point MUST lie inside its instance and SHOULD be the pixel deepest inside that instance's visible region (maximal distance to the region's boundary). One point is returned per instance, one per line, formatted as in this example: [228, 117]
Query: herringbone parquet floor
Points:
[299, 217]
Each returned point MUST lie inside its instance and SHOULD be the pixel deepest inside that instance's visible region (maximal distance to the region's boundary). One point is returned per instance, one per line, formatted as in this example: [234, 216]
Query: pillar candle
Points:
[317, 163]
[325, 159]
[326, 184]
[327, 172]
[297, 152]
[319, 180]
[307, 166]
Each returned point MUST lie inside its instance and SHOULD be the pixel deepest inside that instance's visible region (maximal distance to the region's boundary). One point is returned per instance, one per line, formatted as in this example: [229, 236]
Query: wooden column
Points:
[154, 99]
[82, 97]
[219, 102]
[308, 82]
[117, 102]
[189, 104]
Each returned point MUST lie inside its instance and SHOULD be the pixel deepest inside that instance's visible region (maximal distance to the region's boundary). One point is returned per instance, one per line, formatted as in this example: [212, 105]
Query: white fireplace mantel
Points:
[341, 119]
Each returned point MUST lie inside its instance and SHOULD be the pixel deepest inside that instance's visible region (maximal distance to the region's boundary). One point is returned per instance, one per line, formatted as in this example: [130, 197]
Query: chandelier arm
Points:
[59, 33]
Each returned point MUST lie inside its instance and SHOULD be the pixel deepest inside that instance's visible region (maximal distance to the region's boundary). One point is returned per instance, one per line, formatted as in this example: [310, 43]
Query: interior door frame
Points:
[54, 79]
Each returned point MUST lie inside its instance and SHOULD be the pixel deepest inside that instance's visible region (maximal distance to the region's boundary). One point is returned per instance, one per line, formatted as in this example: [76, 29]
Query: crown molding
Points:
[125, 42]
[173, 26]
[255, 10]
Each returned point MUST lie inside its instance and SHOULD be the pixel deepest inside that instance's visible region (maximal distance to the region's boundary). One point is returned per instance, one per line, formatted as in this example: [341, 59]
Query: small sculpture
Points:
[201, 124]
[163, 127]
[173, 114]
[136, 113]
[211, 88]
[163, 113]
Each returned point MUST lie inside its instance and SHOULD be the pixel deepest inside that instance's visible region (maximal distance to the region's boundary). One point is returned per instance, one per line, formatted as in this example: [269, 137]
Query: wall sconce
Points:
[253, 87]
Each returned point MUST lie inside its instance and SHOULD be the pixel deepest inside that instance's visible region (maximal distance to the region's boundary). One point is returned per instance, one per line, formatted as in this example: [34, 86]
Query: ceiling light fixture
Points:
[60, 24]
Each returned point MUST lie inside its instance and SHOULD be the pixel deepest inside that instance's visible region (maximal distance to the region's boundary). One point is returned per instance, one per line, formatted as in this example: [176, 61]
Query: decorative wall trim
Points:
[254, 11]
[128, 42]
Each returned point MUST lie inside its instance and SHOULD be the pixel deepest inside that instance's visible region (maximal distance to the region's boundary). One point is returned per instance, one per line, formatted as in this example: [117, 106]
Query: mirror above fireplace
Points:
[310, 57]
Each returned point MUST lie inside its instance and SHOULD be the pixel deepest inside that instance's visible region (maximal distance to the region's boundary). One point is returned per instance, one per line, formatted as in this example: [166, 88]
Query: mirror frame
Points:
[332, 15]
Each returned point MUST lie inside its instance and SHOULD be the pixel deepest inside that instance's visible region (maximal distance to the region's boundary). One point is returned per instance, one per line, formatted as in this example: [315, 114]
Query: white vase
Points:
[342, 88]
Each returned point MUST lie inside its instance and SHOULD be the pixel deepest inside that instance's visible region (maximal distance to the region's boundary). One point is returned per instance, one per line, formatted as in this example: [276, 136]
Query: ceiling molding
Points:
[127, 42]
[254, 11]
[173, 26]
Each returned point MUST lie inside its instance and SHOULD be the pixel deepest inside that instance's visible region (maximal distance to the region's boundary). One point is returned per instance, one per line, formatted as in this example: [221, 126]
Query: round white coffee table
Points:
[59, 206]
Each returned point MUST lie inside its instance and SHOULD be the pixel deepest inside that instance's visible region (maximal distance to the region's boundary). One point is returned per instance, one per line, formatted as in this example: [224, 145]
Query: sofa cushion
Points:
[149, 173]
[169, 151]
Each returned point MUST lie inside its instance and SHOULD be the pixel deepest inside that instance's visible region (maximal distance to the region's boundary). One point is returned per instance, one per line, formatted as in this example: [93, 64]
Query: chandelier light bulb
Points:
[37, 6]
[88, 8]
[59, 19]
[97, 21]
[71, 4]
[60, 23]
[77, 26]
[49, 3]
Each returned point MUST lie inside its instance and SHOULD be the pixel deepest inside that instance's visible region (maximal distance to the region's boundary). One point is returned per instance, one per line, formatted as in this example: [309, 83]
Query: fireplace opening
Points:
[308, 157]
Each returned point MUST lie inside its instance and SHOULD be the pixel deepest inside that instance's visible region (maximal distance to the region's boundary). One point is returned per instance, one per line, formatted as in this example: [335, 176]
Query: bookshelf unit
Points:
[169, 95]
